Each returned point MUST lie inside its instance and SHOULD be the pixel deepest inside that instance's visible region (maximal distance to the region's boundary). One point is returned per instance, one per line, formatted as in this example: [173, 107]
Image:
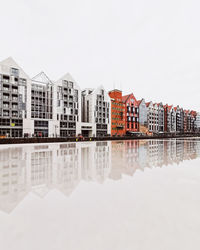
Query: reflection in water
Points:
[41, 168]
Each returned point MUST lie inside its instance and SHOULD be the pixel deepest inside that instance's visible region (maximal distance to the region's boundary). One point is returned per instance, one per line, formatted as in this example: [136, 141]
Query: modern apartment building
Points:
[96, 112]
[179, 119]
[143, 123]
[68, 104]
[117, 113]
[152, 117]
[160, 117]
[169, 119]
[43, 103]
[15, 87]
[197, 122]
[131, 113]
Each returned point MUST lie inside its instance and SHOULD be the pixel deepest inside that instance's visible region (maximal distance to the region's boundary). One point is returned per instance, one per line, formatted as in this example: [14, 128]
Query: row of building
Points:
[42, 107]
[39, 169]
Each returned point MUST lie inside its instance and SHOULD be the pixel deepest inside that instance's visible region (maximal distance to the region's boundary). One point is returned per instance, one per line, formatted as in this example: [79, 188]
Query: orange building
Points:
[132, 113]
[117, 113]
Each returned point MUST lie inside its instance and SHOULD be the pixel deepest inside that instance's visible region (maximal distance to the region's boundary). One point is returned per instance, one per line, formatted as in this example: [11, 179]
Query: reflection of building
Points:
[41, 168]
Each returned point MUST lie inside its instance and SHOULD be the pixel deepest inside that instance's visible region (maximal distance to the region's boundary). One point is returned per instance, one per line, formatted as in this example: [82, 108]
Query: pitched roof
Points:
[125, 97]
[42, 78]
[147, 104]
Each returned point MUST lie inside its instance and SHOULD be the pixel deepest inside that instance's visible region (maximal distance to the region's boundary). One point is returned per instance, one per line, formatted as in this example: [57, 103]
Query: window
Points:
[14, 72]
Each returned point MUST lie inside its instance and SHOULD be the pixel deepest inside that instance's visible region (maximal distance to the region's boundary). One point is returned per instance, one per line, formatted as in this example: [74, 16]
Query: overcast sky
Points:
[150, 48]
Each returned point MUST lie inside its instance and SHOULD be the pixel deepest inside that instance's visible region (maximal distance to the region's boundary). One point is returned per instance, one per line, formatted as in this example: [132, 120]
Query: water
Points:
[100, 195]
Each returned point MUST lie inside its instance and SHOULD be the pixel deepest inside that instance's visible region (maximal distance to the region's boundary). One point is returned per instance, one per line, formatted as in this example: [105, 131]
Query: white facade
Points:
[41, 107]
[96, 112]
[197, 121]
[15, 88]
[68, 106]
[152, 117]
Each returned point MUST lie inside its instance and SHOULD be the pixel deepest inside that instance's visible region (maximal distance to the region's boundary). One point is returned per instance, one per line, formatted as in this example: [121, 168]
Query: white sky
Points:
[150, 48]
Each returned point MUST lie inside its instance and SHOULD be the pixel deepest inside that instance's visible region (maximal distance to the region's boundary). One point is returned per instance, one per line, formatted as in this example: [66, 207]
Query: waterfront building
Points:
[160, 117]
[117, 113]
[197, 122]
[169, 119]
[193, 115]
[152, 116]
[68, 107]
[43, 106]
[15, 88]
[96, 112]
[131, 114]
[143, 123]
[179, 119]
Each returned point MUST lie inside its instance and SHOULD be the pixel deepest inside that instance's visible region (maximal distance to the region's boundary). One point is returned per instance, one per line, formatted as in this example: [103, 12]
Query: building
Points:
[179, 119]
[193, 115]
[169, 119]
[131, 114]
[143, 123]
[43, 106]
[68, 107]
[160, 117]
[197, 122]
[96, 112]
[15, 87]
[152, 117]
[117, 113]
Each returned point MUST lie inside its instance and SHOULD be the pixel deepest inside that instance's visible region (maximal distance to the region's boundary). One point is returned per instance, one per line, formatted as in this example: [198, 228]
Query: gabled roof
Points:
[67, 77]
[42, 78]
[170, 107]
[147, 104]
[139, 102]
[125, 97]
[10, 62]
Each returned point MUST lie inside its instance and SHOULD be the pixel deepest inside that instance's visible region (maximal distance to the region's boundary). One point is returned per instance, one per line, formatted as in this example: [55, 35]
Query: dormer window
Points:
[14, 72]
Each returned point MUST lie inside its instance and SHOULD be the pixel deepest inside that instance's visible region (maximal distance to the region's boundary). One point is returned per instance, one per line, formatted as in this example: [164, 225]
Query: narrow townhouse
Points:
[143, 122]
[68, 105]
[131, 114]
[117, 113]
[96, 112]
[152, 115]
[160, 117]
[43, 106]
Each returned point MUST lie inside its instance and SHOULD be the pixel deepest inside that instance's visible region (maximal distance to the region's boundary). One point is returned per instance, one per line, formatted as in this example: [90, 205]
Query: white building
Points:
[43, 106]
[15, 108]
[96, 112]
[152, 116]
[197, 122]
[68, 106]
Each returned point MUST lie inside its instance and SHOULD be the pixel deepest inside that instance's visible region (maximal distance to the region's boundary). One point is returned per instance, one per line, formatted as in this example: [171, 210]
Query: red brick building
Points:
[117, 113]
[131, 114]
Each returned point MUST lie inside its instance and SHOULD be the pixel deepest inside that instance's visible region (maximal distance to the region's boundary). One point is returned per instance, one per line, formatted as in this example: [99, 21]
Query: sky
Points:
[150, 48]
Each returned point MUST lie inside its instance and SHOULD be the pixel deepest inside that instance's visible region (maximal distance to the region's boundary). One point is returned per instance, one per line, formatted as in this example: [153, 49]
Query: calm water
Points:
[101, 196]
